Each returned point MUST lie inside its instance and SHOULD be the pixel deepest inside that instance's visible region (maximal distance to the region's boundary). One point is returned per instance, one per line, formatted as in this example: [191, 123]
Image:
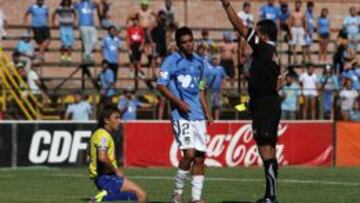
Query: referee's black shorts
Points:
[266, 113]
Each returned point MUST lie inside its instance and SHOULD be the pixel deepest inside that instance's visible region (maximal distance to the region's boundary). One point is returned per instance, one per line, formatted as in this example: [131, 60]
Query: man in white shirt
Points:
[309, 86]
[33, 81]
[347, 98]
[80, 110]
[246, 15]
[3, 23]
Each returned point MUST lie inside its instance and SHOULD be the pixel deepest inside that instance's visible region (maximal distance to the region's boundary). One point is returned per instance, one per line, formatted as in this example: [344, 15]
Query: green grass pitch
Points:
[296, 185]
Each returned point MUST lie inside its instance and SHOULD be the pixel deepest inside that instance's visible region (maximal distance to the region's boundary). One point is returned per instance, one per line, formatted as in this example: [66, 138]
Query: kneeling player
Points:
[103, 169]
[181, 82]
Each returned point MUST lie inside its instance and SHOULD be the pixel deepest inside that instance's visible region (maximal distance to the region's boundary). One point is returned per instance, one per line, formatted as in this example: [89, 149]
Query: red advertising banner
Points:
[230, 144]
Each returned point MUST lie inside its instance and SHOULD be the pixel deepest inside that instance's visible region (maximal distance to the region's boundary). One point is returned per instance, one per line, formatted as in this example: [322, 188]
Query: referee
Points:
[264, 99]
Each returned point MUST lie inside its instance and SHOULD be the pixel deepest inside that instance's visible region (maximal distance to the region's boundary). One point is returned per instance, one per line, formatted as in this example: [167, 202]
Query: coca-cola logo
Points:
[227, 150]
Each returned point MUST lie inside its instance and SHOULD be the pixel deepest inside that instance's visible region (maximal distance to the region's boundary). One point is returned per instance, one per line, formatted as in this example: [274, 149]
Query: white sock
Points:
[197, 184]
[180, 178]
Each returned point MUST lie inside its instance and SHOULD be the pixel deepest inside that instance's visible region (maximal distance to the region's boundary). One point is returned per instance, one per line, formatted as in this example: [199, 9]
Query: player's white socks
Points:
[180, 178]
[197, 184]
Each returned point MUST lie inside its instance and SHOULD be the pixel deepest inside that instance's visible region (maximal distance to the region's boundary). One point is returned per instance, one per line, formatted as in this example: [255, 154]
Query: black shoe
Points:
[266, 200]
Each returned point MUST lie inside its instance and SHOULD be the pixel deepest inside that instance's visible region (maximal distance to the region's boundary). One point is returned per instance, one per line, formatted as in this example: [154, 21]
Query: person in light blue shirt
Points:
[290, 93]
[351, 24]
[355, 112]
[215, 84]
[107, 82]
[25, 51]
[39, 23]
[110, 49]
[128, 106]
[270, 11]
[181, 81]
[310, 25]
[85, 11]
[352, 74]
[80, 110]
[329, 84]
[323, 28]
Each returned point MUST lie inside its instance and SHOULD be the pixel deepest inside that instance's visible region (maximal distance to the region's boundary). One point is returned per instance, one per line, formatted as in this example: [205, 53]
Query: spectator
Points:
[216, 84]
[323, 26]
[39, 24]
[290, 93]
[206, 42]
[227, 52]
[157, 36]
[351, 24]
[350, 73]
[67, 17]
[111, 48]
[128, 106]
[298, 27]
[3, 23]
[355, 112]
[347, 98]
[80, 110]
[284, 16]
[104, 16]
[107, 84]
[169, 14]
[270, 11]
[339, 58]
[135, 41]
[309, 88]
[85, 12]
[310, 29]
[329, 84]
[25, 52]
[246, 16]
[34, 83]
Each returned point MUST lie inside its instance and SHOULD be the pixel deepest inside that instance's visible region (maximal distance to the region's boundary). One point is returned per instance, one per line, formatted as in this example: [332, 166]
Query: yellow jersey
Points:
[100, 140]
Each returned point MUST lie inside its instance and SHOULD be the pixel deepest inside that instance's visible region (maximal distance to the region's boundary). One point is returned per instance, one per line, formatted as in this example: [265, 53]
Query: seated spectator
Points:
[323, 25]
[67, 17]
[310, 29]
[111, 49]
[329, 84]
[107, 83]
[85, 11]
[215, 84]
[227, 51]
[309, 88]
[350, 73]
[347, 98]
[355, 112]
[297, 29]
[135, 41]
[3, 23]
[39, 24]
[128, 106]
[80, 110]
[290, 93]
[25, 52]
[351, 24]
[104, 17]
[246, 16]
[34, 84]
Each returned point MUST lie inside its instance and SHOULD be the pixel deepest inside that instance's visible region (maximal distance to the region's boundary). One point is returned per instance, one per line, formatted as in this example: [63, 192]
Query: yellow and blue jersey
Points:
[101, 140]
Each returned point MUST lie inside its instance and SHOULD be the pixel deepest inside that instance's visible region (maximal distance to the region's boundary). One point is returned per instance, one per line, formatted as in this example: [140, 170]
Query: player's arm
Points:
[26, 17]
[205, 106]
[182, 106]
[104, 158]
[234, 18]
[53, 19]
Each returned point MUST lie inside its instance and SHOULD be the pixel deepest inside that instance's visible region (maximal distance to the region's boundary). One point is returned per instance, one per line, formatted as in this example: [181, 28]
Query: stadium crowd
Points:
[311, 89]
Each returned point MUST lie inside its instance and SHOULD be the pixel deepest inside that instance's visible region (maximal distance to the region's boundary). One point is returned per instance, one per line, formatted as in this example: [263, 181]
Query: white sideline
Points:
[294, 181]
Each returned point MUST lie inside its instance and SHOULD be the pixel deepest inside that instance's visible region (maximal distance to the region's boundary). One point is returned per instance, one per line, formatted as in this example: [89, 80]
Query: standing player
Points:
[181, 82]
[265, 101]
[103, 169]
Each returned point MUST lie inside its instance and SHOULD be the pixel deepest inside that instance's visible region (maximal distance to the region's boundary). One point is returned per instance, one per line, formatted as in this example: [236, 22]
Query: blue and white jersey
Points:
[352, 23]
[310, 21]
[111, 46]
[85, 11]
[323, 25]
[39, 15]
[182, 76]
[269, 12]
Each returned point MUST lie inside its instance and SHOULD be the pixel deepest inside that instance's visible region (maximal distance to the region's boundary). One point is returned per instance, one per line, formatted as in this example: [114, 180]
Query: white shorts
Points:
[298, 36]
[190, 134]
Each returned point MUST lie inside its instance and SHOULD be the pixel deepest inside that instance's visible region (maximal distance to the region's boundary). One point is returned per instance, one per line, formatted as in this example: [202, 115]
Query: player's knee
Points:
[199, 161]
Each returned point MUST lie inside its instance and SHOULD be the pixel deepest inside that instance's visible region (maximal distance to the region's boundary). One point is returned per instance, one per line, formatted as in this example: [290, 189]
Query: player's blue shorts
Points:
[110, 183]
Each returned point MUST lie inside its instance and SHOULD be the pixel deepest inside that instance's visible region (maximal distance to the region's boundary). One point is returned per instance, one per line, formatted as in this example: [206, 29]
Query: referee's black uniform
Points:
[264, 99]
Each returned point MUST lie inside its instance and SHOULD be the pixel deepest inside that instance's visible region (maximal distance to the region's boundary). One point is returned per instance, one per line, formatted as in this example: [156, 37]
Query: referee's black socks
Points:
[271, 174]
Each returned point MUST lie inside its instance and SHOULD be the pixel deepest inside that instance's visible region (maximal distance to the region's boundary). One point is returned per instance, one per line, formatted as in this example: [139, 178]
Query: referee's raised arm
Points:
[234, 19]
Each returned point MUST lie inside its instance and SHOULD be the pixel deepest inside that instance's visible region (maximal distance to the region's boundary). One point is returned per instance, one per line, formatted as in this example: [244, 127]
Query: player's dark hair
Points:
[268, 27]
[246, 4]
[182, 32]
[106, 113]
[310, 4]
